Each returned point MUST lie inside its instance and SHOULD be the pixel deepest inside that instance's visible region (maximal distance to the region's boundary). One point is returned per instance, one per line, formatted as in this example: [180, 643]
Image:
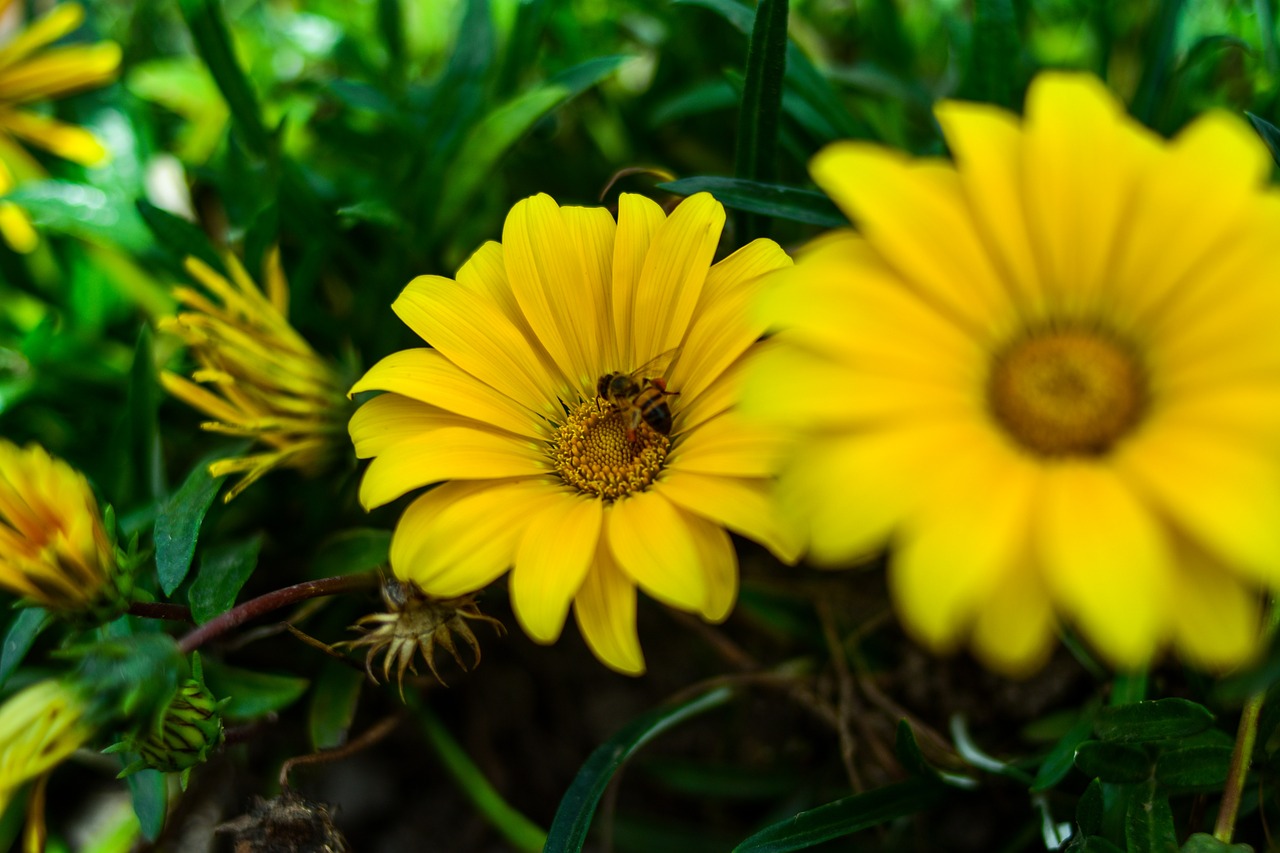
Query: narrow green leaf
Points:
[23, 631]
[995, 53]
[1198, 768]
[251, 693]
[1057, 764]
[150, 801]
[908, 751]
[1270, 134]
[1089, 809]
[259, 237]
[498, 131]
[349, 552]
[843, 817]
[213, 43]
[523, 43]
[573, 818]
[333, 704]
[178, 524]
[756, 157]
[1148, 823]
[141, 422]
[775, 200]
[391, 31]
[1152, 720]
[223, 571]
[178, 238]
[1157, 68]
[1121, 763]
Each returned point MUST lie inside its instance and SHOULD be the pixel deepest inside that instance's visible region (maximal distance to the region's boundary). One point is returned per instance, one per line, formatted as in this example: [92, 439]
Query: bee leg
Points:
[633, 423]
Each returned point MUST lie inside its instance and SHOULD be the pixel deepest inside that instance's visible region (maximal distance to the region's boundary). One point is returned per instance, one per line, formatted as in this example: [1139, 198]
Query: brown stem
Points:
[367, 739]
[255, 607]
[159, 610]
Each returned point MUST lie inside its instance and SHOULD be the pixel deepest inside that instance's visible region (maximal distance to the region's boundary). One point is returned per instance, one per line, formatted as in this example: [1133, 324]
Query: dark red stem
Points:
[255, 607]
[159, 610]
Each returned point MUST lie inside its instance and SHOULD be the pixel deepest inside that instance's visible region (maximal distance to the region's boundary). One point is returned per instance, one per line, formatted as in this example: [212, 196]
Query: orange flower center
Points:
[598, 453]
[1067, 392]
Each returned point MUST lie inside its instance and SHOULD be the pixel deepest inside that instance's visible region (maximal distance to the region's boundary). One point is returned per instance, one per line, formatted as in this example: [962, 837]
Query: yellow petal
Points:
[47, 29]
[389, 419]
[605, 609]
[639, 219]
[65, 140]
[1224, 493]
[731, 446]
[1016, 629]
[719, 564]
[452, 453]
[1216, 618]
[745, 506]
[461, 536]
[959, 548]
[16, 228]
[556, 264]
[474, 334]
[426, 375]
[652, 543]
[1107, 559]
[555, 552]
[60, 71]
[914, 213]
[674, 272]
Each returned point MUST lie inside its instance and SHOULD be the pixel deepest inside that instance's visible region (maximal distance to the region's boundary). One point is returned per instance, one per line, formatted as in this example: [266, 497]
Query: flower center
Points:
[1067, 392]
[598, 453]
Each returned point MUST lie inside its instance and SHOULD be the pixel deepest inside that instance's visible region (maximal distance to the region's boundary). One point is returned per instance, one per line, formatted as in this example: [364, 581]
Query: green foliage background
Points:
[377, 140]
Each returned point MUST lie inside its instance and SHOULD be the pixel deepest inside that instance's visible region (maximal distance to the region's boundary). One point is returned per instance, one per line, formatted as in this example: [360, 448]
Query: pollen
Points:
[1068, 392]
[593, 452]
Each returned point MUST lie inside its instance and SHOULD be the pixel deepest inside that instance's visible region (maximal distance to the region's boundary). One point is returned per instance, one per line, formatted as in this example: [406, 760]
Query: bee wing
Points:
[656, 367]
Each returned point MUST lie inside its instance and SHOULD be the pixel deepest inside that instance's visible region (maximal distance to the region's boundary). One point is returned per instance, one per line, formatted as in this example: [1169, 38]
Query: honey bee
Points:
[640, 397]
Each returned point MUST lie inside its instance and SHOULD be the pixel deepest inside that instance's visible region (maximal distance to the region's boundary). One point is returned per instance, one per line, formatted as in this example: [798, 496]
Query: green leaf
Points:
[130, 675]
[842, 817]
[503, 127]
[1089, 809]
[333, 704]
[213, 43]
[178, 524]
[1148, 823]
[1098, 844]
[573, 818]
[138, 435]
[775, 200]
[81, 211]
[1121, 763]
[913, 760]
[1203, 842]
[1152, 720]
[251, 693]
[391, 32]
[1057, 764]
[995, 52]
[223, 571]
[177, 237]
[756, 157]
[1197, 768]
[22, 634]
[349, 552]
[1157, 68]
[1269, 132]
[150, 796]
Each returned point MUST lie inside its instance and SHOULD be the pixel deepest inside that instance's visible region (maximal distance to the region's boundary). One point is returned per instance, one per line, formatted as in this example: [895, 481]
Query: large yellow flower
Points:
[29, 73]
[1049, 374]
[258, 378]
[545, 476]
[54, 549]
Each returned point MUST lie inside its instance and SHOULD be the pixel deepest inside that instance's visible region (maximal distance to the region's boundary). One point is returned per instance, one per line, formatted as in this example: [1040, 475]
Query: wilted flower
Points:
[54, 548]
[417, 623]
[1049, 374]
[258, 377]
[579, 401]
[30, 73]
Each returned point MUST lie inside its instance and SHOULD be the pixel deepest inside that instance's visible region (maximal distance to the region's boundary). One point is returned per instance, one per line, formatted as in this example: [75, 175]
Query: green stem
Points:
[1242, 755]
[518, 830]
[1129, 687]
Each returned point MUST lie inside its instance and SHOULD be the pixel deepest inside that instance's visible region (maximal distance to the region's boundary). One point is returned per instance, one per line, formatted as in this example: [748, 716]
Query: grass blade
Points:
[756, 158]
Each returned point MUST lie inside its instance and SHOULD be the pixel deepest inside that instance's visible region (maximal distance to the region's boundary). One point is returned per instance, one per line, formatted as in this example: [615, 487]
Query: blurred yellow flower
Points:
[258, 377]
[54, 550]
[39, 727]
[1047, 374]
[30, 73]
[583, 496]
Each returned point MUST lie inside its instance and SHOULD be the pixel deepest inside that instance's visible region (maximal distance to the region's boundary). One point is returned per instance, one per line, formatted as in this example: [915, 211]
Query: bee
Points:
[640, 397]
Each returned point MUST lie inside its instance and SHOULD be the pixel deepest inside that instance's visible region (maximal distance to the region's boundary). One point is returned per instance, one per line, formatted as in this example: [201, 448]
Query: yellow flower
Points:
[264, 380]
[39, 727]
[1048, 374]
[54, 550]
[29, 73]
[538, 472]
